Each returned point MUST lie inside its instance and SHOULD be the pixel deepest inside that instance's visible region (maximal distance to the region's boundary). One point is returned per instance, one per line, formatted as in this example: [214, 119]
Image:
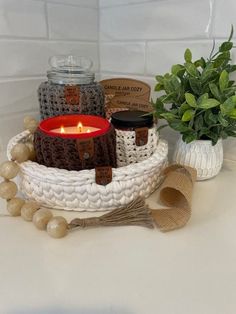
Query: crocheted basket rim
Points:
[77, 190]
[80, 175]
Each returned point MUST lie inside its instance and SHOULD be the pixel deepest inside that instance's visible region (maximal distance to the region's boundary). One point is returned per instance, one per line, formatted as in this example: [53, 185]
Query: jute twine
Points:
[175, 192]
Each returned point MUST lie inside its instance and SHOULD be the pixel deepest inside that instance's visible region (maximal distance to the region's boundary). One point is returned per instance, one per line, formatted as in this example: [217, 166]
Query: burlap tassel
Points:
[136, 213]
[176, 192]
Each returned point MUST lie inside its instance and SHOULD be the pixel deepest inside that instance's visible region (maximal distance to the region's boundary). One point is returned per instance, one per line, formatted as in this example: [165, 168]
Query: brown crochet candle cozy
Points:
[75, 152]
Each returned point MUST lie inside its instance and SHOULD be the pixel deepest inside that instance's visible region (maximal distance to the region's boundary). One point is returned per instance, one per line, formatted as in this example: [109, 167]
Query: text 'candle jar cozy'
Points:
[75, 142]
[136, 136]
[71, 88]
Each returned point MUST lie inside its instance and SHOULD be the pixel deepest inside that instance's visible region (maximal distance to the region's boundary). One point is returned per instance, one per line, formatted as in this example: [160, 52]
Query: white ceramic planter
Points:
[201, 155]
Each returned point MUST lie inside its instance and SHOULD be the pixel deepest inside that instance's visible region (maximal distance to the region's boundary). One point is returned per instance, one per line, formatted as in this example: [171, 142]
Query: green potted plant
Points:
[199, 102]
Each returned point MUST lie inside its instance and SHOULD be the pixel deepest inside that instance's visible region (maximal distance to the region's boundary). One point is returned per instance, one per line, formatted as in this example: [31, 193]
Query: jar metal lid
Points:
[132, 119]
[69, 69]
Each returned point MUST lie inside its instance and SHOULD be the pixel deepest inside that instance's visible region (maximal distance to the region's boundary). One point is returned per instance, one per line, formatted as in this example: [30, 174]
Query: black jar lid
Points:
[131, 119]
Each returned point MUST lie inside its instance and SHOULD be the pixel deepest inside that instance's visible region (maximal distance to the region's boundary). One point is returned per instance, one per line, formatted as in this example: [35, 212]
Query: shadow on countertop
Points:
[59, 310]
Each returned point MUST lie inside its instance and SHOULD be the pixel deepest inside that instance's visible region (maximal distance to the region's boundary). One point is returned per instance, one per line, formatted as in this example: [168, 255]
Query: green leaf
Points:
[198, 123]
[188, 115]
[183, 108]
[222, 120]
[223, 80]
[199, 63]
[228, 92]
[214, 90]
[222, 58]
[209, 103]
[175, 81]
[191, 69]
[203, 131]
[232, 114]
[208, 73]
[176, 68]
[188, 55]
[228, 105]
[168, 116]
[232, 68]
[190, 98]
[158, 87]
[226, 46]
[202, 98]
[179, 126]
[159, 78]
[210, 118]
[161, 127]
[168, 98]
[195, 85]
[213, 136]
[231, 33]
[188, 138]
[203, 62]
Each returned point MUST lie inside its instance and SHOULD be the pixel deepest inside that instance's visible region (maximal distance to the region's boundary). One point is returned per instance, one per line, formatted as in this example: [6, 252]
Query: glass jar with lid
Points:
[136, 136]
[71, 88]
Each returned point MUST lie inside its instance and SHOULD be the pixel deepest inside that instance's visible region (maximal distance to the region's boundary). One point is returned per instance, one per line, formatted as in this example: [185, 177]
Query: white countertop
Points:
[127, 270]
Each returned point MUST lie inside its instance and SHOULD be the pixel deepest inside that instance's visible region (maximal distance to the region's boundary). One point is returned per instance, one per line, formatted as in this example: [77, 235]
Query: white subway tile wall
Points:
[142, 38]
[30, 32]
[72, 22]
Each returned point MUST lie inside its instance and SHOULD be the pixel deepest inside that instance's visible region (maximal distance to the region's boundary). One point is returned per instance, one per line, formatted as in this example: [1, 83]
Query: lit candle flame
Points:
[88, 131]
[80, 127]
[62, 130]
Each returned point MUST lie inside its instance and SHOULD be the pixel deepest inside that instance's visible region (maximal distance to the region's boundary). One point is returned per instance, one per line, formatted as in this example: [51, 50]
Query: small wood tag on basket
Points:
[72, 94]
[103, 175]
[141, 136]
[85, 148]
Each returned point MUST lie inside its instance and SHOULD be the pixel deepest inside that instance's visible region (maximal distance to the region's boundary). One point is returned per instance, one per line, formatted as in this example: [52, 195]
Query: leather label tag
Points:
[72, 94]
[103, 175]
[85, 148]
[141, 136]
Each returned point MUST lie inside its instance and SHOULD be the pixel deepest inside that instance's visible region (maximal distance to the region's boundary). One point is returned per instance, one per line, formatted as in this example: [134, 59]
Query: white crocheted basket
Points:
[128, 152]
[72, 190]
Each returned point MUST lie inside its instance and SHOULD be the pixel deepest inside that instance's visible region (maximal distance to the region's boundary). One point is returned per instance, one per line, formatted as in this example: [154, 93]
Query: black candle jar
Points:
[70, 89]
[136, 136]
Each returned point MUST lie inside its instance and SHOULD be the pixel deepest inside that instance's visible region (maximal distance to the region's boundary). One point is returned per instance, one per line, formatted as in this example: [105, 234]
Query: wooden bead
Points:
[27, 119]
[32, 126]
[57, 227]
[32, 155]
[28, 210]
[20, 152]
[9, 170]
[41, 218]
[14, 206]
[8, 190]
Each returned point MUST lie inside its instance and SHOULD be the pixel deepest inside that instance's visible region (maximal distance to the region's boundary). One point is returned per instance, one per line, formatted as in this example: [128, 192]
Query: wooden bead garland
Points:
[136, 213]
[28, 210]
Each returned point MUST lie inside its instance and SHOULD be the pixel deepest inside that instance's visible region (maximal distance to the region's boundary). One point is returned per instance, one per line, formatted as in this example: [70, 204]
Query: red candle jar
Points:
[75, 142]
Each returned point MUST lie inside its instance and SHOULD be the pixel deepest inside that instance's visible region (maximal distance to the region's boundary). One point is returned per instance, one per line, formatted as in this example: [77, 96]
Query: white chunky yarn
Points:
[128, 152]
[77, 190]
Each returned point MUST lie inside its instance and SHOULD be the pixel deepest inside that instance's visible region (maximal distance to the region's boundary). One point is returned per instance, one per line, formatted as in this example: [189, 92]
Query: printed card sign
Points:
[126, 87]
[130, 103]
